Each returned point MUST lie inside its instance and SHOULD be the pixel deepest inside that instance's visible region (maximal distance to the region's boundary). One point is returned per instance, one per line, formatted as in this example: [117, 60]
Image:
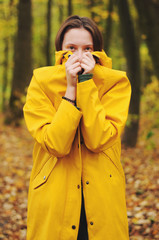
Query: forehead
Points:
[78, 36]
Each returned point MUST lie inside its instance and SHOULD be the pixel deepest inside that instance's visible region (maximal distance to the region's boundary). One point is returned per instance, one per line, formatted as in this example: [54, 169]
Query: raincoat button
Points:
[78, 186]
[87, 182]
[44, 177]
[73, 227]
[91, 223]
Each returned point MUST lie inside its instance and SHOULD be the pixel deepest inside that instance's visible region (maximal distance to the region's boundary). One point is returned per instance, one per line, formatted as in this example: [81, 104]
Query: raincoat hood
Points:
[104, 60]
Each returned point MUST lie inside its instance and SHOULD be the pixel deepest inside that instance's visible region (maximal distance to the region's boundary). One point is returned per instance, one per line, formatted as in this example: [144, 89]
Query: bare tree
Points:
[70, 8]
[91, 5]
[60, 7]
[131, 50]
[148, 11]
[48, 35]
[5, 73]
[22, 62]
[108, 28]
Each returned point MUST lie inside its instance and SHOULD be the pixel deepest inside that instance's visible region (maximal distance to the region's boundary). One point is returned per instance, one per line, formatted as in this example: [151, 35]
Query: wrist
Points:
[73, 102]
[71, 92]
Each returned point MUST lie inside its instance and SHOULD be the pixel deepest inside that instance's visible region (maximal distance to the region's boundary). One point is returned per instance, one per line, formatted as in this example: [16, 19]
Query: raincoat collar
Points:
[104, 60]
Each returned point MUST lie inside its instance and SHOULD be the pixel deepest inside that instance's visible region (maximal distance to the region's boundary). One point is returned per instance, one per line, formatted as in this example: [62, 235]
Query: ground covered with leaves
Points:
[141, 166]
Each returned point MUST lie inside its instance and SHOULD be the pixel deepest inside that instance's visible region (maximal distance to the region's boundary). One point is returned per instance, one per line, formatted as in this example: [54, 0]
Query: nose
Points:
[79, 53]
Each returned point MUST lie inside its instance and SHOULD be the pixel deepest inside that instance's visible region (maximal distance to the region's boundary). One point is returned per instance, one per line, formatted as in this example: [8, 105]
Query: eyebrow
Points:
[90, 44]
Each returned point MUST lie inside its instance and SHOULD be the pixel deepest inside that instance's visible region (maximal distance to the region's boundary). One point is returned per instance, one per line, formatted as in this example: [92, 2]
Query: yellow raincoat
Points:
[73, 144]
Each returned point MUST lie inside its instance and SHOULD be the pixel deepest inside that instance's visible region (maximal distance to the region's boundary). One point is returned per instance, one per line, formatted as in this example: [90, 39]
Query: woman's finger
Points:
[72, 59]
[88, 63]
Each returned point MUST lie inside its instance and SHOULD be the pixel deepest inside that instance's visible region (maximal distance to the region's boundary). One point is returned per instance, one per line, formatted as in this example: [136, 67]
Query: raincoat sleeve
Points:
[53, 130]
[104, 118]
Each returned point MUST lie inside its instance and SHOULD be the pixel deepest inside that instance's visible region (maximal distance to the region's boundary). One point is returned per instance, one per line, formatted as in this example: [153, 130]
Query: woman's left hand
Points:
[87, 62]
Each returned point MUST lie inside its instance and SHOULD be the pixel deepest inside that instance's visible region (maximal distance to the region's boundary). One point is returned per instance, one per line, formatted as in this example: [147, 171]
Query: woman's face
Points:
[78, 41]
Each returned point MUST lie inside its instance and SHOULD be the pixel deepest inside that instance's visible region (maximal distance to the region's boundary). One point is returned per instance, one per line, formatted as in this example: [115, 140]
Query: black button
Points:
[69, 55]
[73, 227]
[91, 223]
[87, 182]
[110, 175]
[78, 186]
[81, 142]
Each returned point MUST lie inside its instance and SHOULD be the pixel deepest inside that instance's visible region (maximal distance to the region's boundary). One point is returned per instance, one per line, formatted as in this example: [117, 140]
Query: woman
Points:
[76, 111]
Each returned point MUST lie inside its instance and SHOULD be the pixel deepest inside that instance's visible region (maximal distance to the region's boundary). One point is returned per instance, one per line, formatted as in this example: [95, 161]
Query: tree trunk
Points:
[22, 62]
[7, 18]
[48, 36]
[131, 50]
[60, 6]
[91, 5]
[70, 10]
[5, 74]
[108, 28]
[148, 11]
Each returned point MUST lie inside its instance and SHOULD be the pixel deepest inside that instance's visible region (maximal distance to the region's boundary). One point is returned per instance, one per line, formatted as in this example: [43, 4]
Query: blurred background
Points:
[130, 29]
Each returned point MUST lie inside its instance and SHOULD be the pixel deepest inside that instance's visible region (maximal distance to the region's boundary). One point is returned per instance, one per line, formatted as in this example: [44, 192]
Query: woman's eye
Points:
[88, 49]
[71, 48]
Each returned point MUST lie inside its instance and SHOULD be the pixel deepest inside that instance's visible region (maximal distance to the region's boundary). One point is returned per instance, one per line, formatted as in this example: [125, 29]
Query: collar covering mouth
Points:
[100, 57]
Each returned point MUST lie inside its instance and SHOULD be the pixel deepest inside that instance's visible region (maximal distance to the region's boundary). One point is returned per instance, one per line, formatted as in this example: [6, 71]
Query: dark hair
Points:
[80, 22]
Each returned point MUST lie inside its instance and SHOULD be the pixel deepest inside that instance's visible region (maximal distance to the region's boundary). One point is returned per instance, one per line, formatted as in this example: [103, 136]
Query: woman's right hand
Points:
[73, 66]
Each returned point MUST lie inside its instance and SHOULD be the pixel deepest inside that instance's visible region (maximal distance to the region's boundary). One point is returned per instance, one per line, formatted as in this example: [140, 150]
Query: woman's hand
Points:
[87, 63]
[73, 66]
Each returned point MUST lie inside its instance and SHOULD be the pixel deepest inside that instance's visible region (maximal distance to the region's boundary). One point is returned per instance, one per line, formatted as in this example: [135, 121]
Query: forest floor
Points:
[141, 166]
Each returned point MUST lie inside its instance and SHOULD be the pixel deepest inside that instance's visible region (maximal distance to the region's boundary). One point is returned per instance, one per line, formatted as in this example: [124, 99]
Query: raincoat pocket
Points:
[45, 172]
[113, 154]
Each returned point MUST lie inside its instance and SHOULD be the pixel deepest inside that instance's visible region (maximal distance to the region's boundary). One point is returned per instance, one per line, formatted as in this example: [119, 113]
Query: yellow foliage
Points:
[104, 14]
[151, 96]
[97, 19]
[115, 16]
[150, 114]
